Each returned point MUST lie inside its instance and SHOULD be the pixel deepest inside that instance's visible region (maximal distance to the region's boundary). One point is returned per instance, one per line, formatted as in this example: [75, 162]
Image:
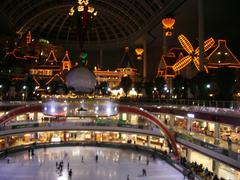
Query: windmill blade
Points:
[206, 69]
[196, 63]
[207, 45]
[182, 63]
[185, 44]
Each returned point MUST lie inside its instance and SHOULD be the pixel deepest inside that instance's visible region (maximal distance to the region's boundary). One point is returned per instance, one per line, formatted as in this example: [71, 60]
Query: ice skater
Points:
[70, 173]
[139, 158]
[144, 172]
[147, 161]
[96, 158]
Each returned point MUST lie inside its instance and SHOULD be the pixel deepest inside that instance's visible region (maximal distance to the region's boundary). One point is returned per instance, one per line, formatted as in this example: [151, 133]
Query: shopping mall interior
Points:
[119, 89]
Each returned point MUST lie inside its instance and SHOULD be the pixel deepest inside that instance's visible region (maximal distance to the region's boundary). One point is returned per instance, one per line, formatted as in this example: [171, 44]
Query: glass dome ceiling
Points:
[118, 21]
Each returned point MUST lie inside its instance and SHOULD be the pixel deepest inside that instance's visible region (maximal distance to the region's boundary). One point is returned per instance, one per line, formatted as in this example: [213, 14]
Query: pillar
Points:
[120, 135]
[100, 57]
[64, 136]
[215, 166]
[216, 133]
[148, 141]
[171, 122]
[170, 86]
[164, 46]
[201, 33]
[128, 118]
[35, 116]
[6, 139]
[188, 154]
[189, 124]
[145, 59]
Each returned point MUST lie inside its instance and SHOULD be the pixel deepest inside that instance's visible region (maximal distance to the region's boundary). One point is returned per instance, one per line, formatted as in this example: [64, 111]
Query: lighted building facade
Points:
[218, 56]
[113, 77]
[50, 70]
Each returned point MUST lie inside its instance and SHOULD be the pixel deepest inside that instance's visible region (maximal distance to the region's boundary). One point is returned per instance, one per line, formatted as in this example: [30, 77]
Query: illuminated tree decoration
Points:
[168, 24]
[193, 55]
[139, 53]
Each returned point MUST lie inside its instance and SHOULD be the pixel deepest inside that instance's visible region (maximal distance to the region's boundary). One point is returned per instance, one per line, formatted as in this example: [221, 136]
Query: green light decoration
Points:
[83, 58]
[84, 55]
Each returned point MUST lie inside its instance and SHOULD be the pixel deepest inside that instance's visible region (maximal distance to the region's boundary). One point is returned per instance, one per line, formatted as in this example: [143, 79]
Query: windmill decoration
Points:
[193, 55]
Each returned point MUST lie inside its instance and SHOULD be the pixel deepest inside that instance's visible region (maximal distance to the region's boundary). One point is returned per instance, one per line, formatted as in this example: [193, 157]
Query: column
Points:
[189, 125]
[6, 145]
[35, 116]
[201, 34]
[120, 136]
[64, 136]
[129, 119]
[171, 122]
[164, 45]
[188, 154]
[101, 58]
[215, 166]
[145, 59]
[148, 141]
[170, 86]
[216, 133]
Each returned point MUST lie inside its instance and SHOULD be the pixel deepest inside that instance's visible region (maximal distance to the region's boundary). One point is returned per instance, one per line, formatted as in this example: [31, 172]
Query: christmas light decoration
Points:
[193, 55]
[84, 7]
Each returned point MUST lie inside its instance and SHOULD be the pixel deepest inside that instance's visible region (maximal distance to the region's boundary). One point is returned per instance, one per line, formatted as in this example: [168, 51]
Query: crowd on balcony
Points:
[193, 168]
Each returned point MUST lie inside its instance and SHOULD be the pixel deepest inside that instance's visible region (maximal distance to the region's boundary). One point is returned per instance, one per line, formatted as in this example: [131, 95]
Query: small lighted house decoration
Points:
[193, 55]
[222, 56]
[139, 53]
[168, 24]
[51, 59]
[66, 62]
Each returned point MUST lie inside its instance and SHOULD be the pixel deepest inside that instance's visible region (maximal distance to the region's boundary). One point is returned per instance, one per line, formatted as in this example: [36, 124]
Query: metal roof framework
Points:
[118, 21]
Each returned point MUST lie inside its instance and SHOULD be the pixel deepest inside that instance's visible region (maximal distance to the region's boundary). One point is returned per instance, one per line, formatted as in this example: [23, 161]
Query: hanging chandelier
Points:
[83, 6]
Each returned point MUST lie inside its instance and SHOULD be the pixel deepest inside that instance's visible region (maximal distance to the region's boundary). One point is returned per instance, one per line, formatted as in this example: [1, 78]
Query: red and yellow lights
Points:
[83, 5]
[193, 55]
[168, 24]
[139, 53]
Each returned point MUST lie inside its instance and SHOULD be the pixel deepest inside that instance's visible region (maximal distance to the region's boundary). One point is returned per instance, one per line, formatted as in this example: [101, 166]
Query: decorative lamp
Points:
[126, 49]
[168, 24]
[139, 53]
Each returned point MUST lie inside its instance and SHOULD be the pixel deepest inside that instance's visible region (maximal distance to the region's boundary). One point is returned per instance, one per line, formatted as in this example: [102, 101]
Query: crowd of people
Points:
[59, 169]
[193, 168]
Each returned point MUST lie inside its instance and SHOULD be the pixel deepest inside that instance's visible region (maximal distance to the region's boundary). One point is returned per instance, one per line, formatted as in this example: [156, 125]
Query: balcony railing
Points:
[186, 102]
[212, 147]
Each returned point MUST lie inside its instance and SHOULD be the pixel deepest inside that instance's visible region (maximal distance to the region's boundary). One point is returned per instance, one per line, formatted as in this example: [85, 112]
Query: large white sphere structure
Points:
[81, 80]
